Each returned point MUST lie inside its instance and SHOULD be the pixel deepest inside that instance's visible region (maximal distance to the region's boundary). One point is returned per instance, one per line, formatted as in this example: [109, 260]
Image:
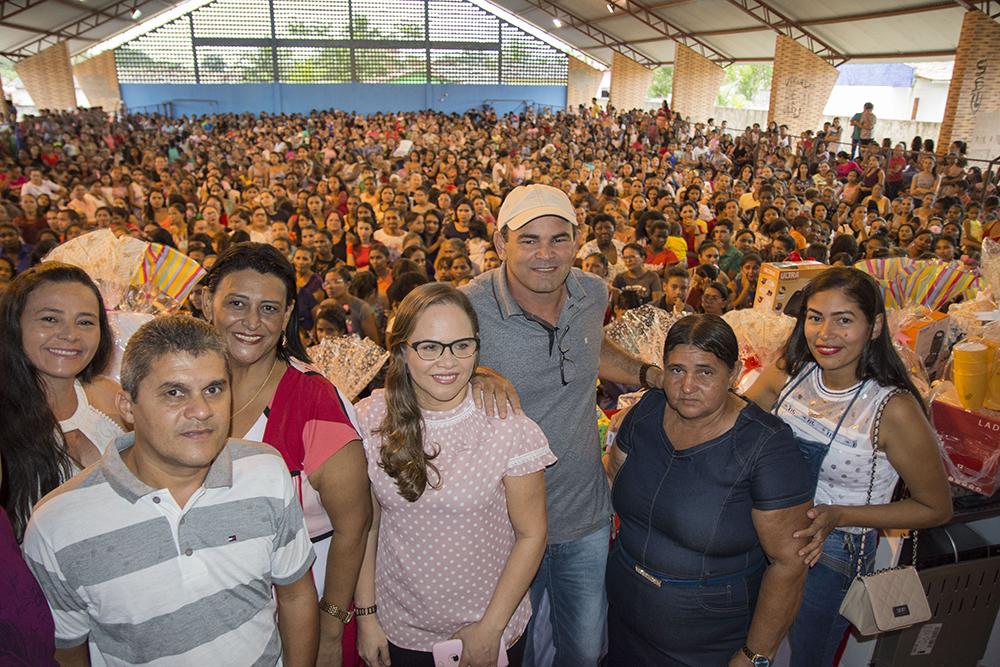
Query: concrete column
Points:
[972, 111]
[630, 82]
[48, 78]
[98, 77]
[696, 84]
[582, 84]
[800, 86]
[4, 108]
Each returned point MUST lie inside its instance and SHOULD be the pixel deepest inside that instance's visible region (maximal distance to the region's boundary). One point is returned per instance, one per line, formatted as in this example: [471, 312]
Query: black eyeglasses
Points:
[429, 350]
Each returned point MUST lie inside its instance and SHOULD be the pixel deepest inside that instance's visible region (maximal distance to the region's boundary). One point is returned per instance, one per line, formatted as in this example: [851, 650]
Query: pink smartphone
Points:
[449, 653]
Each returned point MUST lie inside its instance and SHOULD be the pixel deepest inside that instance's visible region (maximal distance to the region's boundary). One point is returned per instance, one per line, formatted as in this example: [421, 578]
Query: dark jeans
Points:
[819, 628]
[675, 625]
[404, 657]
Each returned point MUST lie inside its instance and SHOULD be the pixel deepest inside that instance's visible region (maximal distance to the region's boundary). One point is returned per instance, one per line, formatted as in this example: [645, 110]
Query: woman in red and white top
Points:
[279, 400]
[459, 525]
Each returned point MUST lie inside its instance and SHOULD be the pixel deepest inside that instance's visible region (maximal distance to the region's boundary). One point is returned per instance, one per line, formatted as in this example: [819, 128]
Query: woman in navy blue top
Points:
[709, 489]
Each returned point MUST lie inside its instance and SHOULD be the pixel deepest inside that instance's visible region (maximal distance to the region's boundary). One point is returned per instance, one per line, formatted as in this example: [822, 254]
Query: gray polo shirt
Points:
[555, 372]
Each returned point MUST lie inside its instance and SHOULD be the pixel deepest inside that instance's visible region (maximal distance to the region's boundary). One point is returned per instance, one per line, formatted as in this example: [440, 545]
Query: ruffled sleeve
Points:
[529, 451]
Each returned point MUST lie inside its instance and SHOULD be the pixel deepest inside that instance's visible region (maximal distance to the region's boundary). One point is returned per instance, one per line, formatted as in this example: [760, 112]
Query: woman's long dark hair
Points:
[267, 261]
[33, 455]
[402, 455]
[879, 360]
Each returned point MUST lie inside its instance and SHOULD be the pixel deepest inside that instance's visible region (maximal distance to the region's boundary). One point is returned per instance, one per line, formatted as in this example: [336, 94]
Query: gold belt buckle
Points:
[647, 576]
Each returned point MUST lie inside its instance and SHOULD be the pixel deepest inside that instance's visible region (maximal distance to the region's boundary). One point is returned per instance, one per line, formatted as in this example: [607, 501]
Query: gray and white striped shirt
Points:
[147, 582]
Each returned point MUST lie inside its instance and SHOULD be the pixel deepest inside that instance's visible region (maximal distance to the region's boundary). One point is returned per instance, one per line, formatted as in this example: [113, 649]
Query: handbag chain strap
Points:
[877, 425]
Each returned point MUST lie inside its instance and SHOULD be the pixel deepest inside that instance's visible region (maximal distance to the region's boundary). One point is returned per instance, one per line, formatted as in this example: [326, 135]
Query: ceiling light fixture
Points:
[611, 8]
[556, 22]
[136, 13]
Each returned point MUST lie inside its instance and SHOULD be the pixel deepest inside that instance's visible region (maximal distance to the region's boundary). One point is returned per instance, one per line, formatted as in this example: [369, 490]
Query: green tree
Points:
[663, 81]
[751, 79]
[742, 83]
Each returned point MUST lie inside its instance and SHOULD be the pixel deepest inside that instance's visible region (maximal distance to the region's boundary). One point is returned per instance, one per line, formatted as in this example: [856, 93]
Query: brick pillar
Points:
[98, 77]
[583, 83]
[4, 108]
[696, 84]
[48, 78]
[800, 86]
[974, 93]
[630, 82]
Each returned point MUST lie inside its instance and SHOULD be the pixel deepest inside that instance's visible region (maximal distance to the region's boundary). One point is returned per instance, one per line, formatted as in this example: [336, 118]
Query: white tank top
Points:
[812, 410]
[100, 429]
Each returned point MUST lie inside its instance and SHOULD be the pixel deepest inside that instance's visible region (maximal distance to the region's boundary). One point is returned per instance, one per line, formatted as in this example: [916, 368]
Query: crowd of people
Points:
[484, 253]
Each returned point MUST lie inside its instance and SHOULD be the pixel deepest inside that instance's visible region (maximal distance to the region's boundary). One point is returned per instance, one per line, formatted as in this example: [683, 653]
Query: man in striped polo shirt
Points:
[166, 550]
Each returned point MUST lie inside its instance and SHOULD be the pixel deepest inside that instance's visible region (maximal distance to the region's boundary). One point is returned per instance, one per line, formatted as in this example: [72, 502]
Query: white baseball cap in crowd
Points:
[528, 202]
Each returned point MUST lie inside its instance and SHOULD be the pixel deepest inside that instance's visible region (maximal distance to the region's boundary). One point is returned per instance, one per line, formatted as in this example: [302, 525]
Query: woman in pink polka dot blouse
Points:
[459, 525]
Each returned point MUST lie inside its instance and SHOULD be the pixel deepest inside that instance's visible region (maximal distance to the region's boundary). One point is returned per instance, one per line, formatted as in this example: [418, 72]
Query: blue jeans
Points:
[819, 628]
[573, 575]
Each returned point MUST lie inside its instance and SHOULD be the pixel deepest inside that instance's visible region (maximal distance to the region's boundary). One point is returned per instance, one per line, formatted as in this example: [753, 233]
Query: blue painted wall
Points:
[361, 97]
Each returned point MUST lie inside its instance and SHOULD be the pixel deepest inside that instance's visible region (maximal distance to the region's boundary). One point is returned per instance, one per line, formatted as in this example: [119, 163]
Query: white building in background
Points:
[914, 91]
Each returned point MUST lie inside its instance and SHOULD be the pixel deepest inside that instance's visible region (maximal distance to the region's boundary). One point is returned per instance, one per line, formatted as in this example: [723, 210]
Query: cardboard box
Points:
[779, 281]
[929, 338]
[972, 442]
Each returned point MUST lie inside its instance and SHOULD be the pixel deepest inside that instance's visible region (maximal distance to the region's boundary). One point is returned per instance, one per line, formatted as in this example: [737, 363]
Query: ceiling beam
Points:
[861, 56]
[603, 38]
[38, 31]
[667, 3]
[10, 8]
[668, 30]
[783, 25]
[75, 4]
[75, 29]
[984, 6]
[846, 18]
[888, 13]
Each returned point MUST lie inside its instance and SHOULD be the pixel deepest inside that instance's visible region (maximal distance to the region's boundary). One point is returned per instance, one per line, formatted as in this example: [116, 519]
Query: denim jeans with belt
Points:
[573, 575]
[819, 628]
[676, 623]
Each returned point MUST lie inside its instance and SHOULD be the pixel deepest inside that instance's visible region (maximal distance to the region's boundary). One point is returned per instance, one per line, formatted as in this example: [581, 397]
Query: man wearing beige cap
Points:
[540, 323]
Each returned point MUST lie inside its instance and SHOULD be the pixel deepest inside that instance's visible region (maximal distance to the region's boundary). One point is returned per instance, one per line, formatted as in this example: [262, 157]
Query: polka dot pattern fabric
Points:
[440, 558]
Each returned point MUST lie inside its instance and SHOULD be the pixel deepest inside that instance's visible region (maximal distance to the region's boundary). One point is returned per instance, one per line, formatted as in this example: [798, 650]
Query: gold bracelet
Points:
[365, 611]
[342, 615]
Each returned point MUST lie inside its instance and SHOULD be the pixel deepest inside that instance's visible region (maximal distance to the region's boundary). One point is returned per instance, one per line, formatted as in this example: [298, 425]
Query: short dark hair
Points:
[173, 334]
[676, 271]
[709, 333]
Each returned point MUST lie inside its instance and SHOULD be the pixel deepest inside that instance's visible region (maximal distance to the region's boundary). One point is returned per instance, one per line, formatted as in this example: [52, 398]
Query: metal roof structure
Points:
[726, 31]
[736, 31]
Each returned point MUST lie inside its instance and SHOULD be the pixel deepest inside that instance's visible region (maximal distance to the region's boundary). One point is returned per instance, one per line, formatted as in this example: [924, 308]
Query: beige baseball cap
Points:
[528, 202]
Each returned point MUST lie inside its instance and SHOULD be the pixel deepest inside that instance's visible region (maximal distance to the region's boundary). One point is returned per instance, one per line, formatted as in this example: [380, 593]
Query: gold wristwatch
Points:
[342, 615]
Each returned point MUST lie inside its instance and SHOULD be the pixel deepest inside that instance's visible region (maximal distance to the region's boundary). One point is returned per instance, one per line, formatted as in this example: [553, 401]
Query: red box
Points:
[972, 442]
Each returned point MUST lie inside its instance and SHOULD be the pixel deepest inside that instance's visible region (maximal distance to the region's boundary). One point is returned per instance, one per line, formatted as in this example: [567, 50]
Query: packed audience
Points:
[449, 240]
